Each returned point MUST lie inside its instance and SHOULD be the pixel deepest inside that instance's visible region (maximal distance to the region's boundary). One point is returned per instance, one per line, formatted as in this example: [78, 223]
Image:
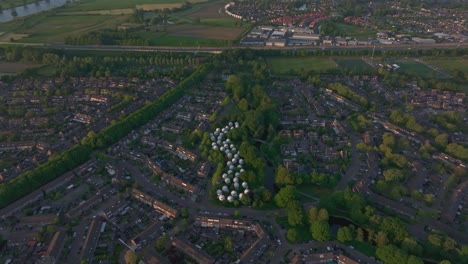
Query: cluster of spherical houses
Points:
[232, 188]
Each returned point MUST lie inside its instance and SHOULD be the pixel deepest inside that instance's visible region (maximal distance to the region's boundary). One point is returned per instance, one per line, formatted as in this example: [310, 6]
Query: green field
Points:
[449, 65]
[353, 64]
[419, 69]
[349, 30]
[56, 28]
[202, 25]
[284, 65]
[119, 4]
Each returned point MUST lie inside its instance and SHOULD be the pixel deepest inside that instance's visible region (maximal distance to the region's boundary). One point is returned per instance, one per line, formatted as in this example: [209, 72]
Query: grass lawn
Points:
[365, 248]
[353, 63]
[349, 30]
[419, 69]
[284, 65]
[313, 190]
[450, 64]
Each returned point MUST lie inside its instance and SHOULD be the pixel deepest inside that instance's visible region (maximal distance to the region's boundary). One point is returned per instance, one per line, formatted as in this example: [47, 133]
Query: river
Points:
[33, 8]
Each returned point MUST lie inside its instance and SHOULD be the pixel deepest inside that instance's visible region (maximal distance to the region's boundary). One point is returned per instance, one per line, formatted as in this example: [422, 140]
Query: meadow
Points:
[55, 29]
[285, 65]
[420, 69]
[449, 65]
[202, 25]
[120, 4]
[355, 31]
[353, 64]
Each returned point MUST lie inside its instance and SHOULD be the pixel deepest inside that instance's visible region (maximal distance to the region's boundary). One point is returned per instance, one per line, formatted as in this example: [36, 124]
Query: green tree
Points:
[228, 244]
[381, 239]
[441, 140]
[312, 214]
[292, 235]
[391, 255]
[285, 195]
[295, 213]
[283, 177]
[320, 231]
[322, 215]
[360, 235]
[344, 234]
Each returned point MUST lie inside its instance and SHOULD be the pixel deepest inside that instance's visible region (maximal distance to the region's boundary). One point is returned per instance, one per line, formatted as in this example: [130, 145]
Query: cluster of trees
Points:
[395, 166]
[404, 119]
[349, 94]
[131, 64]
[450, 120]
[319, 226]
[284, 177]
[108, 37]
[389, 234]
[358, 122]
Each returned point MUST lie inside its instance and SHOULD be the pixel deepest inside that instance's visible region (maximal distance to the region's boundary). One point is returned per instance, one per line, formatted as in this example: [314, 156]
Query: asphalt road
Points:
[220, 49]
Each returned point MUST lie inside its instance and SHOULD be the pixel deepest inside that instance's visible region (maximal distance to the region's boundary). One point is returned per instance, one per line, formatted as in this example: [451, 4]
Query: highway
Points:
[216, 50]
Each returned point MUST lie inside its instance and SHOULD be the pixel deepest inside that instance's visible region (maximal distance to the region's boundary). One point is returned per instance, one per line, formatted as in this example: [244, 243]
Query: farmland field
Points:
[353, 63]
[450, 64]
[282, 65]
[150, 7]
[115, 12]
[210, 13]
[12, 36]
[56, 28]
[202, 25]
[119, 4]
[13, 68]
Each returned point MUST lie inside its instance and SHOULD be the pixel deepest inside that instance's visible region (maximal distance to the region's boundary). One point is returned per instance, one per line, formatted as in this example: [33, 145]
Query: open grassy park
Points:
[353, 64]
[449, 65]
[420, 69]
[355, 31]
[284, 65]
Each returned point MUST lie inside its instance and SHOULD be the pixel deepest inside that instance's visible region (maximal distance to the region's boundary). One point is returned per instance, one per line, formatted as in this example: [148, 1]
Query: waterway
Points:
[29, 9]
